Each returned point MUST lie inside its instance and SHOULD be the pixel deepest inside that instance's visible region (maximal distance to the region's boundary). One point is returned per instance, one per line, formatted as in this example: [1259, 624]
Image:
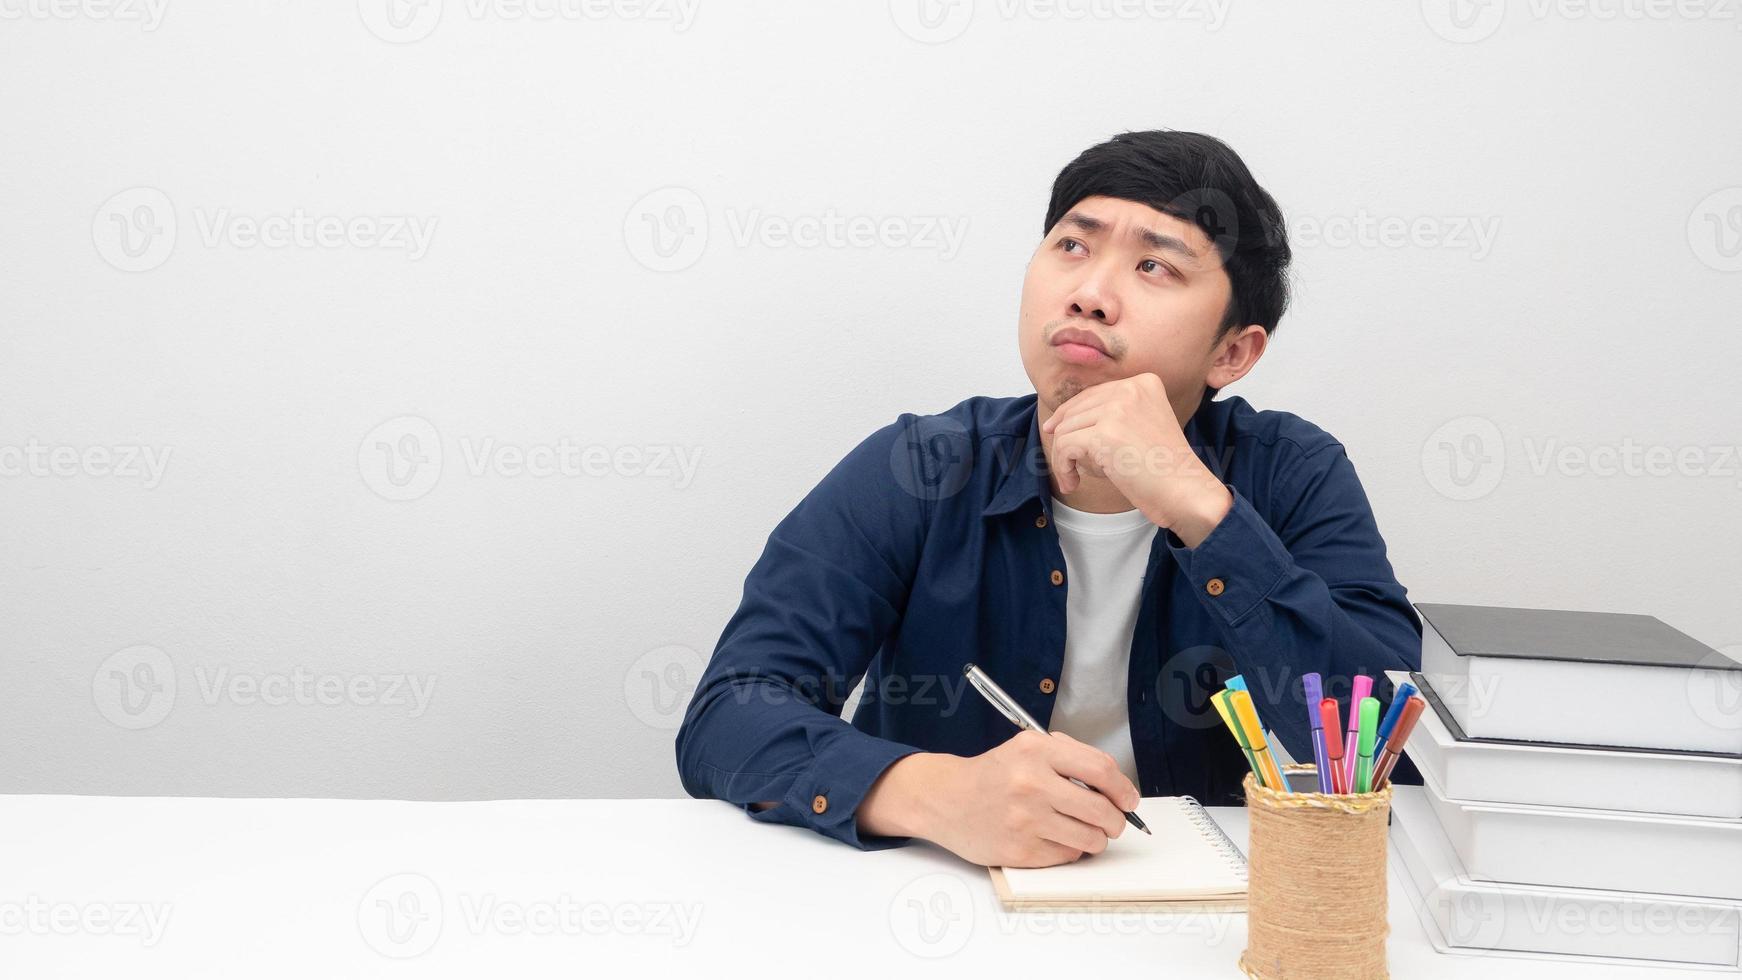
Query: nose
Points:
[1092, 298]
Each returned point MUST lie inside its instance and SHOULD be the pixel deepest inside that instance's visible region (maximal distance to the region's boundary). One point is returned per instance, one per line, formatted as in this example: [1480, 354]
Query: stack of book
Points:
[1581, 788]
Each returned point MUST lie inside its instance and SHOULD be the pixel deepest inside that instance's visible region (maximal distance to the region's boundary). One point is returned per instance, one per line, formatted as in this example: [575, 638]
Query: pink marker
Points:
[1363, 689]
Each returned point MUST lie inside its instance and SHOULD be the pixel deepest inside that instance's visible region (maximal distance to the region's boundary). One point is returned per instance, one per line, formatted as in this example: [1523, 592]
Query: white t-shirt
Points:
[1105, 558]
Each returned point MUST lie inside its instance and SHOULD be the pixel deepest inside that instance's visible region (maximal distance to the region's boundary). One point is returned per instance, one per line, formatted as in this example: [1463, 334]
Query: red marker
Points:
[1334, 744]
[1394, 744]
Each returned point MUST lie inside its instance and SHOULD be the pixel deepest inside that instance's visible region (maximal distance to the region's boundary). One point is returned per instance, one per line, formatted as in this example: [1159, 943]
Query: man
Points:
[1109, 549]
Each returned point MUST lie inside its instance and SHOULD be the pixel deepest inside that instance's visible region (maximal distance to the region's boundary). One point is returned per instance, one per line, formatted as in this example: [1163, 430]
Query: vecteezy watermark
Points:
[406, 21]
[134, 687]
[937, 915]
[1715, 230]
[1715, 689]
[1460, 233]
[402, 459]
[937, 21]
[302, 687]
[400, 916]
[1469, 21]
[137, 229]
[933, 915]
[934, 457]
[1491, 917]
[37, 916]
[658, 685]
[146, 464]
[148, 14]
[404, 915]
[667, 230]
[137, 687]
[1465, 458]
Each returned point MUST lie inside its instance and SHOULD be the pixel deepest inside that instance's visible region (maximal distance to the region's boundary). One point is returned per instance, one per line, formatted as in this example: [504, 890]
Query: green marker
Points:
[1364, 749]
[1224, 698]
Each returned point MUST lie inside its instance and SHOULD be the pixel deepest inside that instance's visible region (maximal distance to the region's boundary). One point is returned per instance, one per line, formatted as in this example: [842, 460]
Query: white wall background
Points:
[148, 623]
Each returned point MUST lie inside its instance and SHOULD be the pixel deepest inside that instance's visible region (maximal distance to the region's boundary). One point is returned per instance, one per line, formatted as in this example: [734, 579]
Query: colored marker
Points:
[1364, 747]
[1247, 716]
[1321, 759]
[1333, 743]
[1226, 710]
[1399, 735]
[1398, 700]
[1363, 688]
[1236, 683]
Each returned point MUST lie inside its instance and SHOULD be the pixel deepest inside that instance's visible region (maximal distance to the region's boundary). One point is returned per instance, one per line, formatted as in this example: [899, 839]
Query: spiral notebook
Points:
[1188, 865]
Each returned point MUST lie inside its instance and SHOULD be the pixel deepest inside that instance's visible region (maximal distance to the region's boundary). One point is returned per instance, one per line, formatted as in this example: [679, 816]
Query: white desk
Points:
[305, 888]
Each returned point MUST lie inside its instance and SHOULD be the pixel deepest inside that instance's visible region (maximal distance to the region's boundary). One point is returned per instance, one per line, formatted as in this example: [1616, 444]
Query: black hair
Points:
[1200, 179]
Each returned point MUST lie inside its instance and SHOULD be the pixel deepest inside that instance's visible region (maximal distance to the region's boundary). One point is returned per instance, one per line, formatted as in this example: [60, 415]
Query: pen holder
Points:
[1316, 903]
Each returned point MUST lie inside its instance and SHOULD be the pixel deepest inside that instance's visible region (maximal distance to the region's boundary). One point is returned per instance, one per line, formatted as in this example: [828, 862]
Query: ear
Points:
[1236, 354]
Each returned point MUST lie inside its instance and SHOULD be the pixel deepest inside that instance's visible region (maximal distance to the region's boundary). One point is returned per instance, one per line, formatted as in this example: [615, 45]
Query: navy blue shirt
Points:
[931, 545]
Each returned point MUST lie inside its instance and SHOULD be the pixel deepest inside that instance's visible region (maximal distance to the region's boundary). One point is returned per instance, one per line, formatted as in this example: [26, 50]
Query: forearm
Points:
[902, 803]
[1281, 617]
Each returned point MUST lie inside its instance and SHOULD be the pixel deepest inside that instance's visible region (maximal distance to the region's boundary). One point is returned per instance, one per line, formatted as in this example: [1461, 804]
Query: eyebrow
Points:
[1154, 239]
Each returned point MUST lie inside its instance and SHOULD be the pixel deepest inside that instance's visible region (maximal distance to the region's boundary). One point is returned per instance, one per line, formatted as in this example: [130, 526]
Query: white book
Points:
[1697, 784]
[1587, 848]
[1462, 913]
[1608, 679]
[1186, 863]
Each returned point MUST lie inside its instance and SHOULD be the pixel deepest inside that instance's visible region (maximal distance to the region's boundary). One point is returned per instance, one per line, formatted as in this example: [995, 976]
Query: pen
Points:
[1008, 707]
[1248, 718]
[1364, 748]
[1363, 688]
[1221, 700]
[1321, 759]
[1334, 744]
[1399, 735]
[1398, 701]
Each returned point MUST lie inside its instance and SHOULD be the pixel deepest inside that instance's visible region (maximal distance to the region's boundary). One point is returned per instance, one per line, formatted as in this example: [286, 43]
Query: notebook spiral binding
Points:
[1207, 826]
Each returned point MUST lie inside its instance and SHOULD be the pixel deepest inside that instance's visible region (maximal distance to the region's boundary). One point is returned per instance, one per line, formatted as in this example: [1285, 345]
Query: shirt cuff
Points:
[826, 796]
[1237, 565]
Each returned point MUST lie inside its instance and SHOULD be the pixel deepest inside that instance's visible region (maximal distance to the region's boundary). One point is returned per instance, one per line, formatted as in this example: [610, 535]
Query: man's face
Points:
[1149, 288]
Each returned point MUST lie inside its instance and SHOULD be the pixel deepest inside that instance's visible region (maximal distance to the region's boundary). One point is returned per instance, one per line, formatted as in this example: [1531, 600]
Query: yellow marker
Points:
[1247, 715]
[1220, 700]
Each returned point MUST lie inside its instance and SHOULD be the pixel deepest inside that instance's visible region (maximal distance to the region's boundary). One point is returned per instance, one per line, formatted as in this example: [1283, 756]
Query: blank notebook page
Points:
[1188, 858]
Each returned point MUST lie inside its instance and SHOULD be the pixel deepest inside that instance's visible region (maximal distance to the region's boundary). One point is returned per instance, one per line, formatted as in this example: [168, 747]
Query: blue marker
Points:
[1404, 691]
[1236, 683]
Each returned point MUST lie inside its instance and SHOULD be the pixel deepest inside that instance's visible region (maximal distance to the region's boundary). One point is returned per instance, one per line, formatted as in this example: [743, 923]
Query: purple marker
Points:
[1321, 755]
[1363, 689]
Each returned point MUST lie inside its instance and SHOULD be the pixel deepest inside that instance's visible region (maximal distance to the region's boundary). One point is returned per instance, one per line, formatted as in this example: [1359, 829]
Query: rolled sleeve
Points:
[827, 795]
[764, 724]
[1237, 565]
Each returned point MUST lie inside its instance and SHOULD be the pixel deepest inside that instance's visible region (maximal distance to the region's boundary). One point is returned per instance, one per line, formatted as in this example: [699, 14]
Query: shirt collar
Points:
[1026, 477]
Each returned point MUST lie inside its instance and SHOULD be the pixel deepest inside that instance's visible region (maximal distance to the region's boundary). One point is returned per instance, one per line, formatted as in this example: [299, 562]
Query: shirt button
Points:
[1046, 685]
[1040, 520]
[819, 804]
[1214, 586]
[1058, 577]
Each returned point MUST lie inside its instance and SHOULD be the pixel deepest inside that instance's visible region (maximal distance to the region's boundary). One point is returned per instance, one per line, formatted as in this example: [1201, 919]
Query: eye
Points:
[1158, 266]
[1068, 241]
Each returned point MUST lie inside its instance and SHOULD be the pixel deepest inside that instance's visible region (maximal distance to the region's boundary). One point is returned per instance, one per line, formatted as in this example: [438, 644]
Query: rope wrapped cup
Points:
[1316, 884]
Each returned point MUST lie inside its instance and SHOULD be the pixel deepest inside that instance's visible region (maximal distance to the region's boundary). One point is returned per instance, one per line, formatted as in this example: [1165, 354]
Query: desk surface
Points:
[102, 886]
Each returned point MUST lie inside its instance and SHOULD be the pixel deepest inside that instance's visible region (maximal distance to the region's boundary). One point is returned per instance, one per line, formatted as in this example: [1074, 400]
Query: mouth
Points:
[1079, 346]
